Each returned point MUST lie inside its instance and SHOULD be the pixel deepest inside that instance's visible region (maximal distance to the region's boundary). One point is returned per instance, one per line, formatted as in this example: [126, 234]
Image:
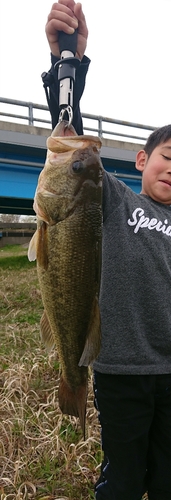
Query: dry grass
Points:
[42, 452]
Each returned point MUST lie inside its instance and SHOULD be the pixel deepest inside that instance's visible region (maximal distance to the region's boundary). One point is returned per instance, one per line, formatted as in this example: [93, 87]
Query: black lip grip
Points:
[67, 42]
[66, 71]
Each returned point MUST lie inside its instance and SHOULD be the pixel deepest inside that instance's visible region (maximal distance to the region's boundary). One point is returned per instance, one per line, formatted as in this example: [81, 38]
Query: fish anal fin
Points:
[73, 402]
[32, 249]
[93, 340]
[46, 332]
[42, 245]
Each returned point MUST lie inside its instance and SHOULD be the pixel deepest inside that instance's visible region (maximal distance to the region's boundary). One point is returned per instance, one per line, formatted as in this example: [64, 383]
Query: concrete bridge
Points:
[23, 151]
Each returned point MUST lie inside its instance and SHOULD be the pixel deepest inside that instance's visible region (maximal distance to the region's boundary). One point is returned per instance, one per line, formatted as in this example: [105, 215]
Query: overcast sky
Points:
[129, 46]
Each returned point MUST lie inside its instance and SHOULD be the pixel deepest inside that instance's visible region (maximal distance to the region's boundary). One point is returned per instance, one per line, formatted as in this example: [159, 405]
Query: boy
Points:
[132, 374]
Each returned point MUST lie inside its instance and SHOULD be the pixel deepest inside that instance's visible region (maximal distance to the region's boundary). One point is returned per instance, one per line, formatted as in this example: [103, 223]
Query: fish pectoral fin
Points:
[93, 340]
[73, 401]
[46, 332]
[42, 245]
[38, 246]
[32, 249]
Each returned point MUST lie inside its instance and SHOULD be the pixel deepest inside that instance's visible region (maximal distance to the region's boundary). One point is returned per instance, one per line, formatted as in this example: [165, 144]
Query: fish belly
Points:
[70, 287]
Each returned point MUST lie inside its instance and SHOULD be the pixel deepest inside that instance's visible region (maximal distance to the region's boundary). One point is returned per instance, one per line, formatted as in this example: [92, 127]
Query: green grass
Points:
[15, 257]
[15, 262]
[11, 249]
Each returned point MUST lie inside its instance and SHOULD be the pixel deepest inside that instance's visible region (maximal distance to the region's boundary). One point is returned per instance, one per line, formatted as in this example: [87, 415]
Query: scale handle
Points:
[67, 42]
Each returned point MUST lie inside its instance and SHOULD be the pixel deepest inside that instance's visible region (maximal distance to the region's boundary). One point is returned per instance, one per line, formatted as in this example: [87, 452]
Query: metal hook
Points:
[69, 111]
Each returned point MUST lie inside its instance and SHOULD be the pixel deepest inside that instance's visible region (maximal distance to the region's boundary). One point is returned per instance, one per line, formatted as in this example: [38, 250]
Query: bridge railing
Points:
[38, 114]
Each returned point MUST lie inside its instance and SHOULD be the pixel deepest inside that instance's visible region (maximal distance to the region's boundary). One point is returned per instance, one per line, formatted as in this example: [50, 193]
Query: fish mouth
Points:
[89, 183]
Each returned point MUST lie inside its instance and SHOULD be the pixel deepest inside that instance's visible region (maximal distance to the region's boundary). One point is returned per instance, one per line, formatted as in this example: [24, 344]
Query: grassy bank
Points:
[42, 453]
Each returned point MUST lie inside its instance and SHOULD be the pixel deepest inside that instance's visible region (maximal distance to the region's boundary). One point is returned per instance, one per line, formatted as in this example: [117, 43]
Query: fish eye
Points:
[78, 167]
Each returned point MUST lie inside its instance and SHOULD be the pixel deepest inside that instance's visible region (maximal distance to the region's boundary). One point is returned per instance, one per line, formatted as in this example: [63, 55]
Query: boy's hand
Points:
[66, 15]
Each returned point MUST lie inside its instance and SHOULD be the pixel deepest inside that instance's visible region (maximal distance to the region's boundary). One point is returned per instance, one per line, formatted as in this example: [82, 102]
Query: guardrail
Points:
[38, 114]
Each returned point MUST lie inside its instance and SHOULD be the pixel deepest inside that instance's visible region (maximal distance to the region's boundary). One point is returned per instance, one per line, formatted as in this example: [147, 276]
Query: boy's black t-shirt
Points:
[135, 297]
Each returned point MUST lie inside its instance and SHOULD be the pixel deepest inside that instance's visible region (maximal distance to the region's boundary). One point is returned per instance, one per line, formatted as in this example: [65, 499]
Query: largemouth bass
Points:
[67, 245]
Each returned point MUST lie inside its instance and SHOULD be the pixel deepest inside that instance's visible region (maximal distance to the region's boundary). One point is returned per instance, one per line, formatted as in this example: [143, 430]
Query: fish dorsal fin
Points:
[32, 249]
[46, 332]
[93, 340]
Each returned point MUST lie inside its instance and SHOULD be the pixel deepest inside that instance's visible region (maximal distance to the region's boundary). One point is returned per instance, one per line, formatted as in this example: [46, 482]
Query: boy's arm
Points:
[66, 15]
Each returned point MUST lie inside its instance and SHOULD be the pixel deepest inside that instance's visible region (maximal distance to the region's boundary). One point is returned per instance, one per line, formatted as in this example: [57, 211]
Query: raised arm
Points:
[66, 15]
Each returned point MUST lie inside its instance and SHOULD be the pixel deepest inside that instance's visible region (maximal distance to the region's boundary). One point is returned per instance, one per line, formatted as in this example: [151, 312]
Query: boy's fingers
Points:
[60, 21]
[83, 30]
[66, 16]
[67, 3]
[62, 12]
[53, 28]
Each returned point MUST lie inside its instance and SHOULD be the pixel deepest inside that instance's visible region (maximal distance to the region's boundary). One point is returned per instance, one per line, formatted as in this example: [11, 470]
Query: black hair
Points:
[159, 136]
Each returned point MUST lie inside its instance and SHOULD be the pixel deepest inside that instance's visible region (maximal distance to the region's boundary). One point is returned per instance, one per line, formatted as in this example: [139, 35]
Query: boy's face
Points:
[156, 177]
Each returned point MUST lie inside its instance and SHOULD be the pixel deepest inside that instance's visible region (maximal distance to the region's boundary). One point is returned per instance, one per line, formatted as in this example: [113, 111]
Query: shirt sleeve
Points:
[113, 193]
[51, 86]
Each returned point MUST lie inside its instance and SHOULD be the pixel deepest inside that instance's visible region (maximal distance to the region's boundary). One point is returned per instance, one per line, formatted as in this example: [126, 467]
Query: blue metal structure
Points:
[19, 171]
[23, 152]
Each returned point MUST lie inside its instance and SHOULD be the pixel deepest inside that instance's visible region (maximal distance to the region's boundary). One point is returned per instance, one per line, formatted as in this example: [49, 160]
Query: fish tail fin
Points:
[73, 402]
